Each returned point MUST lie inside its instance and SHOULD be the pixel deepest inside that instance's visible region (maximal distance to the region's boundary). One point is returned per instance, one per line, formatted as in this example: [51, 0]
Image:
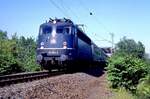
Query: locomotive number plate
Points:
[52, 52]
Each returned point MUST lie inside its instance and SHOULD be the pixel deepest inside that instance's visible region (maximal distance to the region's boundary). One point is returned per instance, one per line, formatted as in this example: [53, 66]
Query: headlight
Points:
[42, 45]
[54, 21]
[64, 44]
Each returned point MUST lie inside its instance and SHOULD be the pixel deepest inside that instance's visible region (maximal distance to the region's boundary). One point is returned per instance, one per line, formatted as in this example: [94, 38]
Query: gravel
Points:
[67, 86]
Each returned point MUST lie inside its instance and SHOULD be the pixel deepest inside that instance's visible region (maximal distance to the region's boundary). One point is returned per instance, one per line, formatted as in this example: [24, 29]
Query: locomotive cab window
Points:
[67, 30]
[63, 29]
[45, 30]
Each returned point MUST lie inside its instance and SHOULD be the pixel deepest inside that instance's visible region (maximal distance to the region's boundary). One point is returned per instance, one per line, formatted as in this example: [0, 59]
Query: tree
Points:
[3, 35]
[127, 65]
[129, 46]
[17, 54]
[8, 52]
[126, 71]
[27, 53]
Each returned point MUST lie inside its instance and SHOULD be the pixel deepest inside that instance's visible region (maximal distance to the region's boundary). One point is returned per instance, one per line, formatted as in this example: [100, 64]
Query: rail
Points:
[24, 77]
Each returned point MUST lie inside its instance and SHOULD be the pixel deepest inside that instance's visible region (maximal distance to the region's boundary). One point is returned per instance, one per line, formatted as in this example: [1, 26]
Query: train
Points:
[63, 44]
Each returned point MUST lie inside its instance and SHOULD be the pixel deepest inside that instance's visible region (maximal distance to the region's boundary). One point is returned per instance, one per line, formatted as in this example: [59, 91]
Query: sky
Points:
[130, 18]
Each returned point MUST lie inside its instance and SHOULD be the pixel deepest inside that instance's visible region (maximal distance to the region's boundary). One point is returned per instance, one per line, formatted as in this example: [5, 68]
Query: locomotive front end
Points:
[55, 44]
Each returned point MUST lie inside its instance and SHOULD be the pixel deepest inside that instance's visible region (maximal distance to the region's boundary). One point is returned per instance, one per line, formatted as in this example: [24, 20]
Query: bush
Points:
[8, 62]
[9, 65]
[17, 54]
[143, 88]
[125, 71]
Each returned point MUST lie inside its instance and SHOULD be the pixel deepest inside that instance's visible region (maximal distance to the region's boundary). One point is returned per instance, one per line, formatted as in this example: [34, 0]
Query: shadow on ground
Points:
[96, 71]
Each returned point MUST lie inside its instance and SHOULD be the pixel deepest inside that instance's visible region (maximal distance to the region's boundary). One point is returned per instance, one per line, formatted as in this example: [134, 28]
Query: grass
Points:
[122, 94]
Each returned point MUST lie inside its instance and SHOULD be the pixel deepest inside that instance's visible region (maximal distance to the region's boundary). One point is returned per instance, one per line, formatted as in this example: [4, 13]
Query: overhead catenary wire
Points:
[66, 9]
[94, 16]
[60, 9]
[100, 23]
[63, 7]
[69, 9]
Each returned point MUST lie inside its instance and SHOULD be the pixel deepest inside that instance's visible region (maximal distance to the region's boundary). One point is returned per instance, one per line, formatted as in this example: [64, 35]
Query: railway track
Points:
[25, 77]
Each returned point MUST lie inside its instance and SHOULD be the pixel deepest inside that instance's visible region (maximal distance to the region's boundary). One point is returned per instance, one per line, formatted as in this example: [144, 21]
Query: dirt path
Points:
[100, 89]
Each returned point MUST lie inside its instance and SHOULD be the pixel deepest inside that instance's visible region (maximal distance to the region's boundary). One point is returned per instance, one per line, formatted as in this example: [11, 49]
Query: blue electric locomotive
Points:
[61, 42]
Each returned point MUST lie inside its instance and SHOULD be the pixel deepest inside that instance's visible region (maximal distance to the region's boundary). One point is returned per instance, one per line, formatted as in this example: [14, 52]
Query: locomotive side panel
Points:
[84, 50]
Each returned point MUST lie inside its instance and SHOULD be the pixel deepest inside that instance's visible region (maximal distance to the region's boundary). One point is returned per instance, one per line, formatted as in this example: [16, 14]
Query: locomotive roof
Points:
[58, 22]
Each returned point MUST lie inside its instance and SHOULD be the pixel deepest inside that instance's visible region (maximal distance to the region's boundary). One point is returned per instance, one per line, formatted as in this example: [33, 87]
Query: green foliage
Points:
[8, 63]
[129, 46]
[129, 67]
[3, 35]
[143, 88]
[125, 71]
[17, 54]
[27, 53]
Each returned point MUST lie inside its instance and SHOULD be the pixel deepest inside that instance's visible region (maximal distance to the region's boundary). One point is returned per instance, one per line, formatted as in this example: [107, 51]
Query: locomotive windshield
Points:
[58, 29]
[63, 29]
[46, 30]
